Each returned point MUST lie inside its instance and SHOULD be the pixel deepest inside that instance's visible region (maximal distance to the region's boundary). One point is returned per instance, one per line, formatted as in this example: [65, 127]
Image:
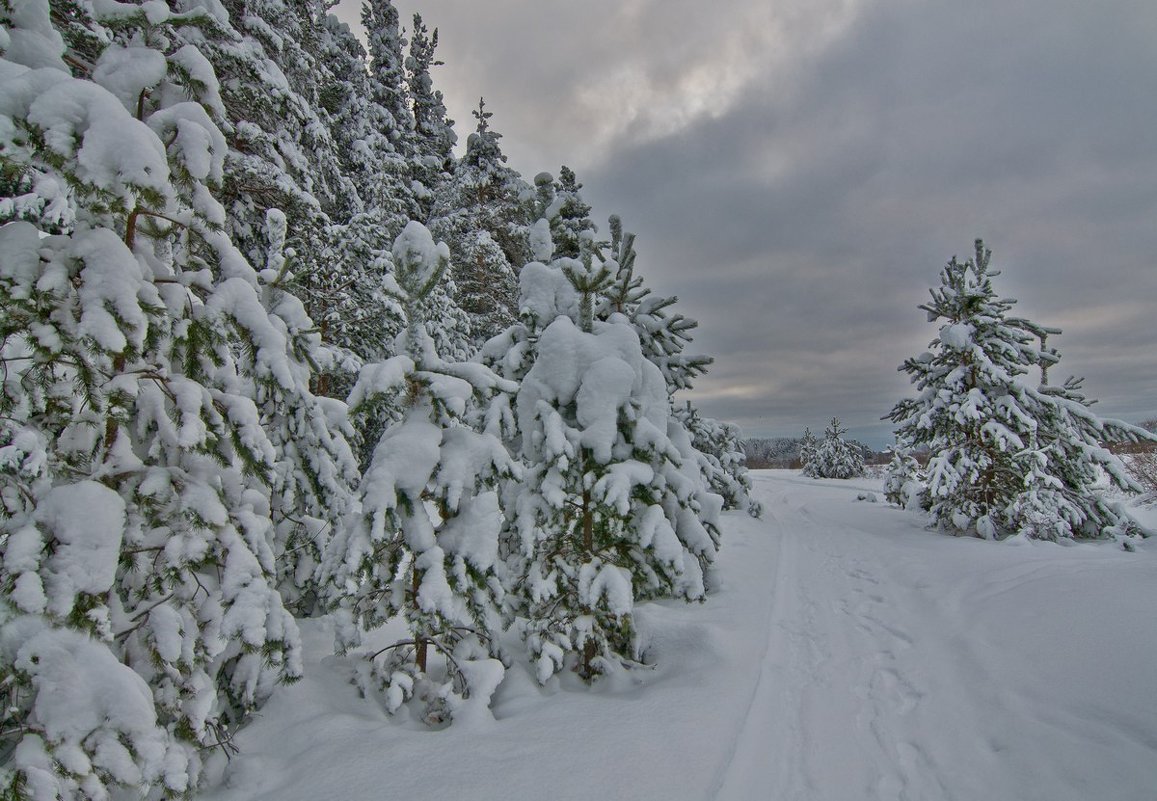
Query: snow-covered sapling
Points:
[807, 453]
[426, 540]
[610, 511]
[834, 456]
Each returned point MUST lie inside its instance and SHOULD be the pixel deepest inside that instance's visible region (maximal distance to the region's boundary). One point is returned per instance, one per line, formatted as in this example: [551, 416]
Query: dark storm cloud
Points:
[798, 174]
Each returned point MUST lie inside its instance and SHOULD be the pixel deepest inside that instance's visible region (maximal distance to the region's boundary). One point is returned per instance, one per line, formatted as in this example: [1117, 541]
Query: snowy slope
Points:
[849, 655]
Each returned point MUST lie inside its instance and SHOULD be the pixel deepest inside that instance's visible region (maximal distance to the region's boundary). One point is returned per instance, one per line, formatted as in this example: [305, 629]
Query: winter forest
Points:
[329, 442]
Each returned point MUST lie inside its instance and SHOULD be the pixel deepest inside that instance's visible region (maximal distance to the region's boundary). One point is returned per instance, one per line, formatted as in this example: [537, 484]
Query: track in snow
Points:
[880, 682]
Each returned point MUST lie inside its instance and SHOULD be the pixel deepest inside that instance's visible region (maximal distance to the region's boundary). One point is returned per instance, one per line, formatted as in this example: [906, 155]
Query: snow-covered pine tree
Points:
[1006, 457]
[721, 459]
[387, 46]
[372, 144]
[481, 214]
[139, 620]
[425, 543]
[394, 79]
[355, 318]
[382, 152]
[283, 155]
[903, 482]
[280, 150]
[664, 334]
[835, 457]
[433, 130]
[1063, 494]
[664, 337]
[315, 469]
[568, 215]
[611, 510]
[807, 453]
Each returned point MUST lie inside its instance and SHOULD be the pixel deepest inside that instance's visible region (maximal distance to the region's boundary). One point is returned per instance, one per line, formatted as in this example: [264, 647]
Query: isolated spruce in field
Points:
[1006, 457]
[426, 541]
[610, 511]
[139, 622]
[807, 453]
[834, 456]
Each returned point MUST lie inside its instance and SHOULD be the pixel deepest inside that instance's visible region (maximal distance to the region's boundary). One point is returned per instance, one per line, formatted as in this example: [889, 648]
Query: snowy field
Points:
[849, 655]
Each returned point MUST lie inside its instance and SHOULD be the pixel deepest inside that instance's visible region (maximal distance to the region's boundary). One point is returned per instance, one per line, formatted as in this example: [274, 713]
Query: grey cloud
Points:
[803, 222]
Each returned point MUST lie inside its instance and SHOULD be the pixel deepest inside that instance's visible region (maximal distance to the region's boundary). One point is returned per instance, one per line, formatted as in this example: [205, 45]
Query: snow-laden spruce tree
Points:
[664, 335]
[903, 481]
[721, 458]
[425, 542]
[433, 130]
[140, 620]
[480, 213]
[315, 470]
[1006, 457]
[287, 158]
[356, 320]
[663, 332]
[386, 50]
[808, 445]
[562, 217]
[611, 509]
[834, 456]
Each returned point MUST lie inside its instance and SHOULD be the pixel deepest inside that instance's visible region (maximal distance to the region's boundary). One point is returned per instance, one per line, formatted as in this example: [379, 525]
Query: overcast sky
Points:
[799, 170]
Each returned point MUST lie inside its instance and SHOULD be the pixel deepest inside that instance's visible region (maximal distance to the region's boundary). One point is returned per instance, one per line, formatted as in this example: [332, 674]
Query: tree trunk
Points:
[588, 524]
[419, 642]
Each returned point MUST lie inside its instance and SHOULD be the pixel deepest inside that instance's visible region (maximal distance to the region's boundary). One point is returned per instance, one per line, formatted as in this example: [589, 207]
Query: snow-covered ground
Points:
[850, 654]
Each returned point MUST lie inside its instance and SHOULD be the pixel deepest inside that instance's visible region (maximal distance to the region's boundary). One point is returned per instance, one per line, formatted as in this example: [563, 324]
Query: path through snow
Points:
[906, 665]
[850, 654]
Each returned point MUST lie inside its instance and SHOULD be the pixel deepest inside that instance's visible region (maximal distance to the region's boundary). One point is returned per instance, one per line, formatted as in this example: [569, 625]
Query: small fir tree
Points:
[1006, 457]
[619, 510]
[568, 215]
[807, 453]
[425, 543]
[903, 482]
[835, 457]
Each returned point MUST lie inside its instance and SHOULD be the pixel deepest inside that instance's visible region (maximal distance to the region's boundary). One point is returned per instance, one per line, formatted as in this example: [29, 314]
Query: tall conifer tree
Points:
[139, 489]
[1007, 457]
